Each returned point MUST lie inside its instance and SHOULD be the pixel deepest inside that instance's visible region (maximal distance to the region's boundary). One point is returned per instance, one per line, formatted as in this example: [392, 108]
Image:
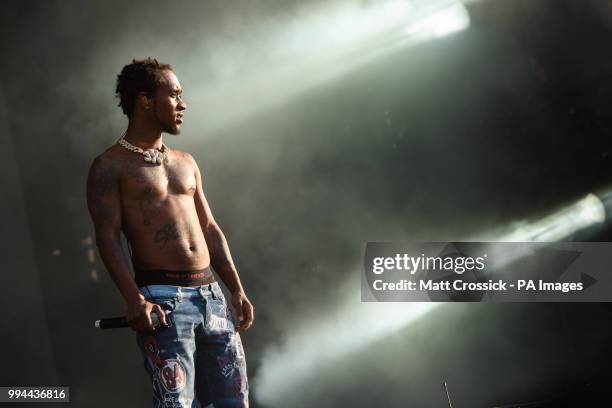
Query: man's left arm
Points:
[221, 258]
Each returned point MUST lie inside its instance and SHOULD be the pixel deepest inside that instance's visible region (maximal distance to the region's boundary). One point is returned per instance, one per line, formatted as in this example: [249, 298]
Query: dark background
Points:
[506, 121]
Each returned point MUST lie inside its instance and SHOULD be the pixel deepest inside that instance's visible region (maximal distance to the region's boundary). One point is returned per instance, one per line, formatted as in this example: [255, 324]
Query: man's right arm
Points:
[105, 210]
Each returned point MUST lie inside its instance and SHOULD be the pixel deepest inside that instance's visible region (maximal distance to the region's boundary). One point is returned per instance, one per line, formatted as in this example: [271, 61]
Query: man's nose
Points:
[182, 105]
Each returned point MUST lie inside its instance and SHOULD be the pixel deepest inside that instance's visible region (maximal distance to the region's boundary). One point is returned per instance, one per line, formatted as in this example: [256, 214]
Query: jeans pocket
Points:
[218, 317]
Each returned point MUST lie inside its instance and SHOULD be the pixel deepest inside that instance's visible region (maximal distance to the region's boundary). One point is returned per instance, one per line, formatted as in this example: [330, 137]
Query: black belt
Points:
[174, 278]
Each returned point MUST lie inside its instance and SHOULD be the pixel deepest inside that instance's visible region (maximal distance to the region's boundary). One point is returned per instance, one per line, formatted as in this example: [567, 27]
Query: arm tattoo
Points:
[99, 186]
[219, 250]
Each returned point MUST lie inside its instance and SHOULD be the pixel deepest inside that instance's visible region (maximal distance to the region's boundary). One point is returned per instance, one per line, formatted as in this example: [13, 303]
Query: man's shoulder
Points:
[108, 158]
[183, 155]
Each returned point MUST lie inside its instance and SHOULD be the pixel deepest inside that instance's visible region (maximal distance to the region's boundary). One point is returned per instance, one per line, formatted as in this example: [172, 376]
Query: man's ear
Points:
[144, 100]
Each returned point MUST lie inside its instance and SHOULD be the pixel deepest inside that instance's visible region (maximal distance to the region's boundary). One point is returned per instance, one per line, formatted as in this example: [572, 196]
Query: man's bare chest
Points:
[140, 180]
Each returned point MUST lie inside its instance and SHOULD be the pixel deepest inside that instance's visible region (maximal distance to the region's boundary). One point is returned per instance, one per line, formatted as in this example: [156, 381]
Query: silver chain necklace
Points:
[154, 156]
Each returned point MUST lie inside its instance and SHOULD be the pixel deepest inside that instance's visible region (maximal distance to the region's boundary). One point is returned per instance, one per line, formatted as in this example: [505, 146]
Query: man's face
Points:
[168, 106]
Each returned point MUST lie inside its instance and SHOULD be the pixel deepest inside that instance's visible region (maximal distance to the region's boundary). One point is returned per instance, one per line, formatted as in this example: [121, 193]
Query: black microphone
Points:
[119, 322]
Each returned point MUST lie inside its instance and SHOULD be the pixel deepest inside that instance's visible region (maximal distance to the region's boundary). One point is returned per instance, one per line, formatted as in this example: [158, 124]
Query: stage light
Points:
[585, 213]
[440, 23]
[326, 42]
[311, 347]
[357, 23]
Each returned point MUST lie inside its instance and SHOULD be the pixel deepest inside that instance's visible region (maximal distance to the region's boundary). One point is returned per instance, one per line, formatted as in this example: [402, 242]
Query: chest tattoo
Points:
[165, 234]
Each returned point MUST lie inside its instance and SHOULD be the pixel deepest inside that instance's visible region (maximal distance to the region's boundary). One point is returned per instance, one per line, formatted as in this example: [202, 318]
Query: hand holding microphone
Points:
[141, 316]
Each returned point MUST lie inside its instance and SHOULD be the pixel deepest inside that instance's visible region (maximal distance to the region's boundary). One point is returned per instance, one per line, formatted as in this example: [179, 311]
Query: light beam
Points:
[313, 346]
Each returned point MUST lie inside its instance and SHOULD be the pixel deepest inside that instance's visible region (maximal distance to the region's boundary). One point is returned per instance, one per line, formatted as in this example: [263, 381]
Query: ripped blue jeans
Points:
[199, 354]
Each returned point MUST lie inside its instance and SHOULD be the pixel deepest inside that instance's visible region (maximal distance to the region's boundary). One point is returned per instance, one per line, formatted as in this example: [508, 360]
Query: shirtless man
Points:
[154, 195]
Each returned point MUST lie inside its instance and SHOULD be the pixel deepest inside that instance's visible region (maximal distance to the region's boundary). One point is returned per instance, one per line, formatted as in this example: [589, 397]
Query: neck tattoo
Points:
[154, 156]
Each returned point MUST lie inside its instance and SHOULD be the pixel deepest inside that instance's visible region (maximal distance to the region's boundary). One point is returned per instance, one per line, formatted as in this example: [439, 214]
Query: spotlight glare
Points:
[317, 345]
[387, 15]
[339, 334]
[324, 42]
[441, 23]
[587, 212]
